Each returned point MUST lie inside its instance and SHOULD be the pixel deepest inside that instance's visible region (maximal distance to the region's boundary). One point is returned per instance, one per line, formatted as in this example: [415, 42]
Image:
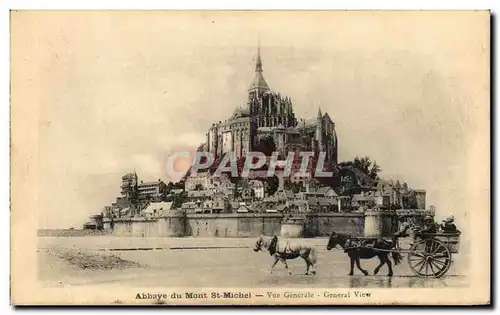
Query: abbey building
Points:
[268, 119]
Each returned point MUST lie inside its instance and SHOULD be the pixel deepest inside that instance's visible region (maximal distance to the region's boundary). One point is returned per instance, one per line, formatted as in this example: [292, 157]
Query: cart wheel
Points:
[429, 258]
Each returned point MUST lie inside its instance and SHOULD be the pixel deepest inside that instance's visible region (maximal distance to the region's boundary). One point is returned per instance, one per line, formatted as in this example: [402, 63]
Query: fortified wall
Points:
[255, 224]
[370, 224]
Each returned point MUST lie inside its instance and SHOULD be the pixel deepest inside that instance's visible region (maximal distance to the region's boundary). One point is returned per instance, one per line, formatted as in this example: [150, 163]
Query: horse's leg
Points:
[359, 267]
[311, 258]
[389, 264]
[313, 272]
[352, 266]
[308, 263]
[274, 264]
[286, 265]
[311, 264]
[382, 262]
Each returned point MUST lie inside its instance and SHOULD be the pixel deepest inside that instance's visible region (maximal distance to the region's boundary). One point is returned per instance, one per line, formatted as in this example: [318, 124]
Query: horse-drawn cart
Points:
[431, 254]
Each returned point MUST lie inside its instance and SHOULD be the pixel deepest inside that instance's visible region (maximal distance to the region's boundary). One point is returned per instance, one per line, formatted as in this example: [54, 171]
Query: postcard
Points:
[250, 158]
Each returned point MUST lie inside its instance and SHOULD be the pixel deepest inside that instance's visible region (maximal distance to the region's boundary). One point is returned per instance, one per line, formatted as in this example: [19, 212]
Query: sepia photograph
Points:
[250, 157]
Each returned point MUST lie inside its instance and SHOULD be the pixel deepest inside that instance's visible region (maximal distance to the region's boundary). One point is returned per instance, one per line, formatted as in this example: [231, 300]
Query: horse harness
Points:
[357, 243]
[287, 252]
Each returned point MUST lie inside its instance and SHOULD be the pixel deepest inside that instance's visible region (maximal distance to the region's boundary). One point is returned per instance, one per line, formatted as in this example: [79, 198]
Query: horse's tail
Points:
[396, 257]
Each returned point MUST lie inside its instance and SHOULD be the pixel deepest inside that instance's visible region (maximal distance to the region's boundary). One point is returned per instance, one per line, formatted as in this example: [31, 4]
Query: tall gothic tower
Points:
[319, 131]
[268, 108]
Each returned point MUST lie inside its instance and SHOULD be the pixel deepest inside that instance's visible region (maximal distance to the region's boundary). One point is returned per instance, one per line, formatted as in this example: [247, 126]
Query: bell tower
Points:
[319, 131]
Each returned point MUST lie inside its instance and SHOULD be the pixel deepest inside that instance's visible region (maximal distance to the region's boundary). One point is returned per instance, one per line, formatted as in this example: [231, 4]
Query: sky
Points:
[120, 91]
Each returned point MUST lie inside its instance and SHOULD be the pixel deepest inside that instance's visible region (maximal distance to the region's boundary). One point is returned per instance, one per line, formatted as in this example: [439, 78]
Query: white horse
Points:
[281, 251]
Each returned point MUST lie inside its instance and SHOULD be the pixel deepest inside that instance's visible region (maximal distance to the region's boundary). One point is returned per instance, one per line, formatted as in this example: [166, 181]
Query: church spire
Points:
[258, 82]
[319, 113]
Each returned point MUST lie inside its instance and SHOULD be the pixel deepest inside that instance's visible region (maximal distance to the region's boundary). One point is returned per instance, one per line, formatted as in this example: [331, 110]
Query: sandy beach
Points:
[220, 262]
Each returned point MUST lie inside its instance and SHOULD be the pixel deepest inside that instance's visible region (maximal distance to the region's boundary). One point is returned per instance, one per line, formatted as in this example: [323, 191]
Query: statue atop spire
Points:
[258, 63]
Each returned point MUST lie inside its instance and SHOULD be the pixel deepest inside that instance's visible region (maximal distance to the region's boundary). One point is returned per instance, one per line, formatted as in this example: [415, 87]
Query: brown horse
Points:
[354, 249]
[281, 251]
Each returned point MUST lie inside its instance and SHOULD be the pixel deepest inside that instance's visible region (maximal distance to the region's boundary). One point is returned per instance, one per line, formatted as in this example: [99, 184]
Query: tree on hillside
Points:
[375, 170]
[367, 166]
[272, 185]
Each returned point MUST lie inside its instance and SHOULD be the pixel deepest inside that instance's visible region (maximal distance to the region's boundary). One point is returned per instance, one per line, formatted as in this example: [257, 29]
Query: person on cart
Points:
[448, 226]
[403, 231]
[428, 227]
[428, 231]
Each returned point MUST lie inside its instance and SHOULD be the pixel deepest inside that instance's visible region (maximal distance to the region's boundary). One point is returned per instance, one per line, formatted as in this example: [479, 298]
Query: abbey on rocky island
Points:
[268, 118]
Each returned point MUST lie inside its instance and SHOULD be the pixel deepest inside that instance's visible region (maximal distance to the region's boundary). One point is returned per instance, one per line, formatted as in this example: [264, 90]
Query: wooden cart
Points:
[431, 254]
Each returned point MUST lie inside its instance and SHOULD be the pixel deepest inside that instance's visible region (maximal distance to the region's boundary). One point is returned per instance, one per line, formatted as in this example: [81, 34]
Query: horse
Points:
[281, 251]
[356, 252]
